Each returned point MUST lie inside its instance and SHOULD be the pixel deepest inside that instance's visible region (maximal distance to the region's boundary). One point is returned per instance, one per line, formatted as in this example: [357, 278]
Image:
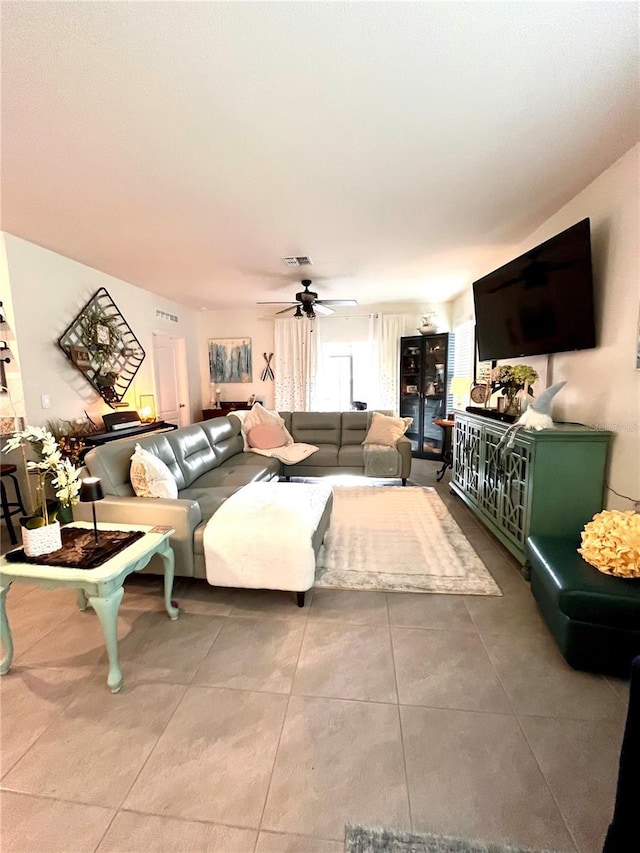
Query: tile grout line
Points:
[404, 753]
[88, 677]
[206, 654]
[198, 820]
[284, 720]
[153, 748]
[145, 762]
[530, 748]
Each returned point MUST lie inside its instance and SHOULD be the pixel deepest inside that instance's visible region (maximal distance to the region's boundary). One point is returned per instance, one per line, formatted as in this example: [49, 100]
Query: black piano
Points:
[124, 425]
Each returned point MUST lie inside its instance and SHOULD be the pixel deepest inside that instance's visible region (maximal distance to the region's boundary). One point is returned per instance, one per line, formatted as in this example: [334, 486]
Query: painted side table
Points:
[100, 587]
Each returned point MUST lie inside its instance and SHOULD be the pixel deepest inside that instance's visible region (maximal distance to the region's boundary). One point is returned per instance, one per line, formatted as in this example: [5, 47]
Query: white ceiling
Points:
[187, 147]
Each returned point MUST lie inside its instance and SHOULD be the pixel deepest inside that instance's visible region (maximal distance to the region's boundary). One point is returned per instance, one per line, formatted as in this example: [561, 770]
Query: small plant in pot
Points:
[513, 381]
[41, 529]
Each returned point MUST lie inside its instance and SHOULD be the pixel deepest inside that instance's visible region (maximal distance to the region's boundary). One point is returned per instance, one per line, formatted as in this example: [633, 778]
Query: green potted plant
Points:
[41, 529]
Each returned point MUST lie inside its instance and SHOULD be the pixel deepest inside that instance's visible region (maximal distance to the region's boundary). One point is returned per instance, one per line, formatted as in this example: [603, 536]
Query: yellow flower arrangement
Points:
[611, 543]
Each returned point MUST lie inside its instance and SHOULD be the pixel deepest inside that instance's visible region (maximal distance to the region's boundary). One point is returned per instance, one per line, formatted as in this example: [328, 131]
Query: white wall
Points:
[47, 291]
[252, 323]
[257, 324]
[603, 385]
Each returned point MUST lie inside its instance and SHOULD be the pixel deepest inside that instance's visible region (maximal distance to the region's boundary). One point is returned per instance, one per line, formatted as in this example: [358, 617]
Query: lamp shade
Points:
[147, 408]
[91, 489]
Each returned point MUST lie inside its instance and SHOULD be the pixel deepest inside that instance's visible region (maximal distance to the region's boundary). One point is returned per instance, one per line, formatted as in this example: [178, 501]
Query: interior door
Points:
[170, 375]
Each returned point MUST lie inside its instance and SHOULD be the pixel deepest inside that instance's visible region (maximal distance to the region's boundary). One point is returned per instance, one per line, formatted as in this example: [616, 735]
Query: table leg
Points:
[5, 633]
[107, 610]
[168, 560]
[81, 599]
[441, 471]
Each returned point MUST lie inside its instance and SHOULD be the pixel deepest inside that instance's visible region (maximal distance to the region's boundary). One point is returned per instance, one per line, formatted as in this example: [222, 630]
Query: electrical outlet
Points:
[46, 401]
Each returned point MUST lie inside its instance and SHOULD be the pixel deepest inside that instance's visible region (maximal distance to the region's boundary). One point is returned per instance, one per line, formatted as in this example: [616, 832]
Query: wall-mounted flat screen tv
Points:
[539, 303]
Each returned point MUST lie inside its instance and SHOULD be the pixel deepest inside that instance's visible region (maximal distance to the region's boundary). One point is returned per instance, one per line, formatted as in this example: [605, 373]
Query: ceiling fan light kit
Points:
[307, 303]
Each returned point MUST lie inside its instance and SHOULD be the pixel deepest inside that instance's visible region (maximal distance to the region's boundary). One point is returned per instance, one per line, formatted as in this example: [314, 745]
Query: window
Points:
[463, 355]
[343, 375]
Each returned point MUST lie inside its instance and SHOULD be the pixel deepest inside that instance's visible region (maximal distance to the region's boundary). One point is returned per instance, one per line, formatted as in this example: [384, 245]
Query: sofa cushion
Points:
[209, 500]
[354, 427]
[241, 469]
[220, 429]
[324, 457]
[316, 428]
[150, 477]
[385, 430]
[286, 417]
[351, 456]
[193, 452]
[112, 463]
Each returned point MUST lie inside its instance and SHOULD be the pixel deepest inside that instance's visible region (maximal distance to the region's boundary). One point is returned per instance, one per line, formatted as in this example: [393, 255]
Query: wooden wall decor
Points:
[101, 345]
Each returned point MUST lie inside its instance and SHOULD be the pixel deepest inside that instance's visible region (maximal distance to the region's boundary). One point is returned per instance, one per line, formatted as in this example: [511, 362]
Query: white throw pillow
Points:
[386, 430]
[150, 477]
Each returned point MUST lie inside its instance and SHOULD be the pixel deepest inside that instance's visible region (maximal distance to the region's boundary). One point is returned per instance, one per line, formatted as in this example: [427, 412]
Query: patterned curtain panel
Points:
[385, 333]
[294, 351]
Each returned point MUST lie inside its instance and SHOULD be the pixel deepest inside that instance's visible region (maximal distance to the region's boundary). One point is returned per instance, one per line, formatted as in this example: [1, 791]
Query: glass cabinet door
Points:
[423, 391]
[434, 394]
[410, 387]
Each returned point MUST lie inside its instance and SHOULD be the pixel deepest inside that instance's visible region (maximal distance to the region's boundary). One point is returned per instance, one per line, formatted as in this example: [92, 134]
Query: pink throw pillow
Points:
[266, 436]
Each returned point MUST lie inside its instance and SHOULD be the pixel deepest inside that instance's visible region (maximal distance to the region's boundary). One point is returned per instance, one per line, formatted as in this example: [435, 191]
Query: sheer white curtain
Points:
[385, 331]
[295, 360]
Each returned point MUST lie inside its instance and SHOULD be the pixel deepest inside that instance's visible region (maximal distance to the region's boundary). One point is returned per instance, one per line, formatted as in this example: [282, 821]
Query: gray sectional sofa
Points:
[209, 465]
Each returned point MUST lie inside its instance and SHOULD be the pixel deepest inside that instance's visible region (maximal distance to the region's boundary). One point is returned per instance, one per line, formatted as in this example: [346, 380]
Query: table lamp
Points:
[147, 410]
[459, 388]
[91, 490]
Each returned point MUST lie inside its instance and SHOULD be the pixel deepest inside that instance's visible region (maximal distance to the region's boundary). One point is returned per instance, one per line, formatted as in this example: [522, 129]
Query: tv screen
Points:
[539, 303]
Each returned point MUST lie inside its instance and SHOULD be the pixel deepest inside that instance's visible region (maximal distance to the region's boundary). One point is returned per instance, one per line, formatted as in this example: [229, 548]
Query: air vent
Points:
[164, 315]
[298, 261]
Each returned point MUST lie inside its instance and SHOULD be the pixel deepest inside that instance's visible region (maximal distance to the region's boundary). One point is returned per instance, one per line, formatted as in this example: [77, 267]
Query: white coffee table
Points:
[100, 587]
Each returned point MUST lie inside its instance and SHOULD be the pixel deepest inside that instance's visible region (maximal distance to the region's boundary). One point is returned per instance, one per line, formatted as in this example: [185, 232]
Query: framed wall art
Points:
[102, 346]
[230, 360]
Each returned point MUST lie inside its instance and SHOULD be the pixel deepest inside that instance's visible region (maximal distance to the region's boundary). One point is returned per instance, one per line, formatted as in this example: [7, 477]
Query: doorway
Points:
[171, 379]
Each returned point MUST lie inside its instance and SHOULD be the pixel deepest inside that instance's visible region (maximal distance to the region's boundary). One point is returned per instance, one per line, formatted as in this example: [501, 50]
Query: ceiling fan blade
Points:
[282, 302]
[336, 302]
[322, 309]
[284, 310]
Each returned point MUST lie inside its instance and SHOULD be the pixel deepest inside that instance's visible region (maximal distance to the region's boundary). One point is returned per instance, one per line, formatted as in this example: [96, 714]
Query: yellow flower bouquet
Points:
[611, 543]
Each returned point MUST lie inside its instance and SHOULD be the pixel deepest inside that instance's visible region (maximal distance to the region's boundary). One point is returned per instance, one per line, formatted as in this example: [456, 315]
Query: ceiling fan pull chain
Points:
[267, 373]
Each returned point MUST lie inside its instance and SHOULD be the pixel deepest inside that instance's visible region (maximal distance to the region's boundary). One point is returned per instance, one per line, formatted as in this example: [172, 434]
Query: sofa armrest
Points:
[182, 514]
[403, 446]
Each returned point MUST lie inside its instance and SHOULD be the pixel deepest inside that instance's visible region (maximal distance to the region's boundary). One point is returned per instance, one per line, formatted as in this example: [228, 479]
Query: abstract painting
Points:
[230, 360]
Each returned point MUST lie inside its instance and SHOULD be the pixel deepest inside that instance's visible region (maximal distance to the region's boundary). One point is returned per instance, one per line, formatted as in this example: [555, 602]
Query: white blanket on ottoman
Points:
[260, 537]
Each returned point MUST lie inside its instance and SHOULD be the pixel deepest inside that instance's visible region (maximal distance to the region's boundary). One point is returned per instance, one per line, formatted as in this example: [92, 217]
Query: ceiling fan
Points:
[308, 305]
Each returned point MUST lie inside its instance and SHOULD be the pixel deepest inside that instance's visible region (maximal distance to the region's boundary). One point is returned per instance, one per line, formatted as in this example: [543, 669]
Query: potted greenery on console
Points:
[41, 530]
[512, 379]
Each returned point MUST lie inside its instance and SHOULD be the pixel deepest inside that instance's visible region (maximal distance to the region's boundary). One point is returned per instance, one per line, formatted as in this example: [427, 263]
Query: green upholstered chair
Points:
[594, 618]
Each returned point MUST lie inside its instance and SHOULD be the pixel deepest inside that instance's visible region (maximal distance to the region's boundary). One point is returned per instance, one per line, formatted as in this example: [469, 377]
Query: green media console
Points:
[550, 484]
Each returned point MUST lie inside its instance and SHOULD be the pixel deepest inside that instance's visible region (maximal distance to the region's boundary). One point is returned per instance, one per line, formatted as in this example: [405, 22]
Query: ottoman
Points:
[267, 536]
[594, 618]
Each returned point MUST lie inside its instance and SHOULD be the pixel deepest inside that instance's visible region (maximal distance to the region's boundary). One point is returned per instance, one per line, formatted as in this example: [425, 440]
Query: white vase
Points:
[41, 540]
[428, 329]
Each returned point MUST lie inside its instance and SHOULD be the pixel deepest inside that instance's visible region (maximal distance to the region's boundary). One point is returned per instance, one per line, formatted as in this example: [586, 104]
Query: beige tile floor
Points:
[253, 726]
